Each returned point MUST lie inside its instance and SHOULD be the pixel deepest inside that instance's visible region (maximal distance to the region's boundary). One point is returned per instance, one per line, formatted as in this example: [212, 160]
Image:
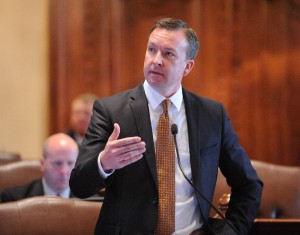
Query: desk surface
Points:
[276, 226]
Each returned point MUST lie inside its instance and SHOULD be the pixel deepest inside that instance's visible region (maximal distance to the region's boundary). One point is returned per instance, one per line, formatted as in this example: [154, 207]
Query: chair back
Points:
[9, 157]
[49, 215]
[281, 192]
[19, 173]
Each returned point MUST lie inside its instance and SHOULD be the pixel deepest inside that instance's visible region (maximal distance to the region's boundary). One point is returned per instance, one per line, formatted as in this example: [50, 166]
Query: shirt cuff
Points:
[101, 171]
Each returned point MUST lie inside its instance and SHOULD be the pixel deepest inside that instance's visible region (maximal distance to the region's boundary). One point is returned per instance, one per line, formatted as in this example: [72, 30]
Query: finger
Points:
[128, 150]
[128, 141]
[130, 160]
[115, 134]
[127, 155]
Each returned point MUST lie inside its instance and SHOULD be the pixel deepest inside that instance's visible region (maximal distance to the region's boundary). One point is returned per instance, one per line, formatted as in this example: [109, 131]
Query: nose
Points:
[158, 59]
[65, 169]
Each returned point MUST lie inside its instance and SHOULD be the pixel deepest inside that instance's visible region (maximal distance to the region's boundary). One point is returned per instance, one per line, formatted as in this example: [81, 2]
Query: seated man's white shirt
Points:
[49, 192]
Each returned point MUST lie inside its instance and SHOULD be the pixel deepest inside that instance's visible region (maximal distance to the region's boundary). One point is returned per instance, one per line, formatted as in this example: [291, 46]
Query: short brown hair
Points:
[175, 24]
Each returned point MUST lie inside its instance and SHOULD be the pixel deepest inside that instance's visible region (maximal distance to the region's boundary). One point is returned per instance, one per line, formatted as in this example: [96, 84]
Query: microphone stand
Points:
[174, 131]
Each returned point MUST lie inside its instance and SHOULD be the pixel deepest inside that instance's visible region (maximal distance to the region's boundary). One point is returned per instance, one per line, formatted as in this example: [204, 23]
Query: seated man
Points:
[81, 112]
[59, 155]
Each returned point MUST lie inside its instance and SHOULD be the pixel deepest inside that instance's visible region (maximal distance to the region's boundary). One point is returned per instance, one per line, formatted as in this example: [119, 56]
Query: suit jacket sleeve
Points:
[214, 144]
[85, 178]
[31, 189]
[246, 187]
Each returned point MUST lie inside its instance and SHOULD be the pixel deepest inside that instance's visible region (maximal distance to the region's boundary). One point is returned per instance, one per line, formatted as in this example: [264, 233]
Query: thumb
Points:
[115, 134]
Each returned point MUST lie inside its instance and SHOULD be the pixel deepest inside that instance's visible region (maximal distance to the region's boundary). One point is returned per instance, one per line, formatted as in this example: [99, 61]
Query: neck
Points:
[166, 92]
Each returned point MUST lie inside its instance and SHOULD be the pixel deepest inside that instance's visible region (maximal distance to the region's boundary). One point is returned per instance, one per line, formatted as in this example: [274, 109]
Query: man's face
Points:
[165, 60]
[57, 167]
[81, 116]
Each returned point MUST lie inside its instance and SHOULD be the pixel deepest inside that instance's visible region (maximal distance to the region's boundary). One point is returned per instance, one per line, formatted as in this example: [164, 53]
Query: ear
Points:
[42, 164]
[188, 67]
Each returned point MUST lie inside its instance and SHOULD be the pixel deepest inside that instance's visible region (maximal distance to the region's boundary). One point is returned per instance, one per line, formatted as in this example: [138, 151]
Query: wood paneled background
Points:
[249, 60]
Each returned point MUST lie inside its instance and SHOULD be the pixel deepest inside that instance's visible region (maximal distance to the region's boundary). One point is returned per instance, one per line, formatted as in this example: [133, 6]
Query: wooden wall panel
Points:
[79, 54]
[293, 84]
[249, 60]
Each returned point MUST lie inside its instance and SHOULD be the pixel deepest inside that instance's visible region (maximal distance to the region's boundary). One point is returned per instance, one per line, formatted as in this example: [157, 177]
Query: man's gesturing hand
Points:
[121, 152]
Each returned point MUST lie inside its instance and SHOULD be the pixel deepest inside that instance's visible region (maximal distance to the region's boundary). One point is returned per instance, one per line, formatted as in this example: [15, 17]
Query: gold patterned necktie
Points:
[165, 158]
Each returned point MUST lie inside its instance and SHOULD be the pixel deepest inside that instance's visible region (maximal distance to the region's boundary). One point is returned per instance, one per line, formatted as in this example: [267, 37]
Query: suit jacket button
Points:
[150, 232]
[154, 202]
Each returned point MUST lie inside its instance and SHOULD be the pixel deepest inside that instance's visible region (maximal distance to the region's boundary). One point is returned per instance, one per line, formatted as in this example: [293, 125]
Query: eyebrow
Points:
[165, 48]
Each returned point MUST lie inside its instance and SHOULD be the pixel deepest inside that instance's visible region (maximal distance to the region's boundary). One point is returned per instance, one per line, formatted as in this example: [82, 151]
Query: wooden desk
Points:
[276, 227]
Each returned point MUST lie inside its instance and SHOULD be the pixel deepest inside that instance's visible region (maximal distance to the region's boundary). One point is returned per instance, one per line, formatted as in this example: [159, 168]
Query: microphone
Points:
[174, 131]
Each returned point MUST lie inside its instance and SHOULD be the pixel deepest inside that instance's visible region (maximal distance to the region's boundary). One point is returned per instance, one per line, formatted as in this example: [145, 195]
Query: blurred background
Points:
[53, 50]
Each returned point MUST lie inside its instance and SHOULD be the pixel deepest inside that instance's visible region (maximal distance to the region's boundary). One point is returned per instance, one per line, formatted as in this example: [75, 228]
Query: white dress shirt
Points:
[187, 212]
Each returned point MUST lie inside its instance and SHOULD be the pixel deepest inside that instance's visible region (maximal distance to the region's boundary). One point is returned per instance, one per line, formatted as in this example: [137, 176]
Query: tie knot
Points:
[166, 104]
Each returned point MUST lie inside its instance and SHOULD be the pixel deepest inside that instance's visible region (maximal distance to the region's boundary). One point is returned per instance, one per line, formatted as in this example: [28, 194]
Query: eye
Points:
[151, 49]
[170, 54]
[57, 164]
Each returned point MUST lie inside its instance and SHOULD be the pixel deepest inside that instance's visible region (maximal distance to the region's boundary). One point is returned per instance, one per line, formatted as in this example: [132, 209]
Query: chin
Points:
[155, 80]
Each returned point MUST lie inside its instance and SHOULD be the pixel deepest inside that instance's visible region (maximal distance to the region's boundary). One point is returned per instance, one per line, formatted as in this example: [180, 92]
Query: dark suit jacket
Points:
[32, 189]
[131, 196]
[72, 134]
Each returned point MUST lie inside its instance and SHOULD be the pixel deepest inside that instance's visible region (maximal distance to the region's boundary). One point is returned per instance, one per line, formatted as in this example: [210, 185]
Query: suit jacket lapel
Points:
[193, 117]
[139, 106]
[197, 125]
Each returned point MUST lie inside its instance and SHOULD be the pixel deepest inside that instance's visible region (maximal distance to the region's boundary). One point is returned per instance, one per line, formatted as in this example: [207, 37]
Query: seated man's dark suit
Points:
[32, 189]
[74, 136]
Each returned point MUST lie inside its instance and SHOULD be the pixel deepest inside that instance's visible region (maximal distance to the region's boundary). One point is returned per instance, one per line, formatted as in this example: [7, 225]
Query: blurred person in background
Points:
[81, 112]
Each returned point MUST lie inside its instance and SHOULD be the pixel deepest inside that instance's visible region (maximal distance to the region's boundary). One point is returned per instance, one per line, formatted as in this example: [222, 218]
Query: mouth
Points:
[63, 181]
[156, 72]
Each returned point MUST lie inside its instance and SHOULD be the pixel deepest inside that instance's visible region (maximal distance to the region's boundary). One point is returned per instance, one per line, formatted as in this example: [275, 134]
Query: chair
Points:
[8, 157]
[49, 215]
[18, 173]
[281, 192]
[279, 211]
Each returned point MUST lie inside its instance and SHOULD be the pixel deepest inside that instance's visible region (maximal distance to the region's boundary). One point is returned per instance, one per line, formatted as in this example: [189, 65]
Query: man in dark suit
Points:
[59, 155]
[118, 151]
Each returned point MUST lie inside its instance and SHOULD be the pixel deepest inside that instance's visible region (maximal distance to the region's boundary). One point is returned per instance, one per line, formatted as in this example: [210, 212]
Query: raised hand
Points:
[121, 152]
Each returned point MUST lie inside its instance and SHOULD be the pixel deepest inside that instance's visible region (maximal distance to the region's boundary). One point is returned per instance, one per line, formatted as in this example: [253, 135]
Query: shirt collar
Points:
[155, 99]
[48, 191]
